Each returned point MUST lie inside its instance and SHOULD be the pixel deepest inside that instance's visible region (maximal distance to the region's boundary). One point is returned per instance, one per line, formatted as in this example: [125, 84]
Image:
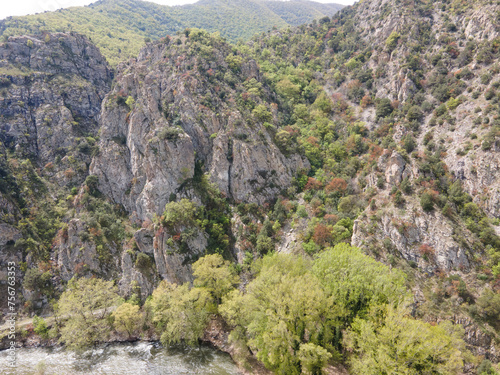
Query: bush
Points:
[489, 94]
[130, 102]
[392, 41]
[143, 263]
[414, 113]
[427, 202]
[79, 304]
[40, 327]
[441, 110]
[36, 280]
[383, 108]
[180, 213]
[92, 183]
[262, 113]
[409, 143]
[169, 133]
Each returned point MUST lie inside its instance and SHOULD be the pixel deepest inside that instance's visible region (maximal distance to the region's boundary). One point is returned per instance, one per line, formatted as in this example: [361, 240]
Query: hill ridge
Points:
[120, 27]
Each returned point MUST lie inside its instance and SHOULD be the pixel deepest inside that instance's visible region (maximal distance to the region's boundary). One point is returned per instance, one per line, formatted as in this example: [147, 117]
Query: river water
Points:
[141, 358]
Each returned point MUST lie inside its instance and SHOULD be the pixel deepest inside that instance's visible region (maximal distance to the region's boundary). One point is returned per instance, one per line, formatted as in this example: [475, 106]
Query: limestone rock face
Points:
[395, 168]
[478, 341]
[162, 123]
[133, 280]
[424, 238]
[51, 93]
[74, 255]
[173, 262]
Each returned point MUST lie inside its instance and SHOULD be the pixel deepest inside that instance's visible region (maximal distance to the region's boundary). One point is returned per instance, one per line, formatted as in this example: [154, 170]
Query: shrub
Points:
[383, 108]
[427, 202]
[143, 262]
[262, 113]
[40, 327]
[392, 41]
[180, 213]
[169, 133]
[414, 113]
[409, 143]
[130, 102]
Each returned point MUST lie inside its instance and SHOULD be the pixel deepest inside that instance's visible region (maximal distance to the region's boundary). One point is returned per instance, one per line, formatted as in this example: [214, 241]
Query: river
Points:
[141, 358]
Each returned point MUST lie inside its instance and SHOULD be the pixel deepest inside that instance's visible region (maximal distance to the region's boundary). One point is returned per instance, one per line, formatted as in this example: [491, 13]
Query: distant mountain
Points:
[119, 27]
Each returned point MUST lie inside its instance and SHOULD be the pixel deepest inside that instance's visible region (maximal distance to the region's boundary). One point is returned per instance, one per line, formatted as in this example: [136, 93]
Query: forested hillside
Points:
[318, 199]
[119, 27]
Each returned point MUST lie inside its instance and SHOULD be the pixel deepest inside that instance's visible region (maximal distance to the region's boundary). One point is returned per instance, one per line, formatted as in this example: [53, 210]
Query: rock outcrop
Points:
[170, 113]
[52, 86]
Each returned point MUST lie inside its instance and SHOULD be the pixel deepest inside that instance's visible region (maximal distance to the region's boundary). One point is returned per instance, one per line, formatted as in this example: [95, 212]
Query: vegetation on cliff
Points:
[393, 111]
[120, 27]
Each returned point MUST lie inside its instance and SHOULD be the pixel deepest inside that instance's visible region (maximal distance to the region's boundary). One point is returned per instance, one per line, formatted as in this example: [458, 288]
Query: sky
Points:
[23, 7]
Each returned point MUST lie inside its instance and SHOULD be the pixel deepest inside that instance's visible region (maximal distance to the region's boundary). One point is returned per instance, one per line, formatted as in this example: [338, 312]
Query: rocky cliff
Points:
[171, 109]
[377, 127]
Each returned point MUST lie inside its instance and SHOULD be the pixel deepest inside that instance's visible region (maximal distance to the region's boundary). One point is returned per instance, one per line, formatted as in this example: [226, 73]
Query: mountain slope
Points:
[119, 27]
[403, 140]
[202, 149]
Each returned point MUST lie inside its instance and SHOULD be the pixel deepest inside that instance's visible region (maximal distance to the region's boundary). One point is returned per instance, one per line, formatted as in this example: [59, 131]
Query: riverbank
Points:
[216, 335]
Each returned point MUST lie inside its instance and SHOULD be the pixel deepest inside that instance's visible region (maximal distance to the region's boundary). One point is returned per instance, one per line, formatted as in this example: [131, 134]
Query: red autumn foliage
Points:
[427, 250]
[331, 219]
[313, 184]
[337, 185]
[322, 234]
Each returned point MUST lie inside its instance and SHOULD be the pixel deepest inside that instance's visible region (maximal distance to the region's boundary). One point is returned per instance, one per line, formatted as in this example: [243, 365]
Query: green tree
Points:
[284, 307]
[427, 202]
[392, 342]
[179, 313]
[392, 41]
[383, 108]
[355, 281]
[489, 305]
[180, 213]
[262, 113]
[215, 274]
[40, 327]
[127, 319]
[86, 305]
[414, 113]
[313, 358]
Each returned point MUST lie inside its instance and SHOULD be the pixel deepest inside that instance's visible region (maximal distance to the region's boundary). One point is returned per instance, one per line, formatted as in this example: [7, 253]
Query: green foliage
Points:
[143, 263]
[119, 29]
[392, 41]
[276, 320]
[489, 306]
[40, 327]
[215, 274]
[262, 113]
[38, 281]
[86, 306]
[383, 108]
[409, 143]
[427, 202]
[130, 102]
[393, 342]
[179, 214]
[414, 113]
[92, 183]
[293, 312]
[169, 133]
[127, 319]
[180, 314]
[313, 358]
[485, 368]
[357, 281]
